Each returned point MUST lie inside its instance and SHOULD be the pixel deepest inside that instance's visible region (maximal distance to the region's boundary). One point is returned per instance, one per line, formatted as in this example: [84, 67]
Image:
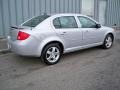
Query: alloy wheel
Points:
[52, 54]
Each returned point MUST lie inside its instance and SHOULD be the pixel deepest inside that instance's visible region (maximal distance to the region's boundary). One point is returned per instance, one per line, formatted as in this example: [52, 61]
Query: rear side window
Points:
[65, 22]
[35, 21]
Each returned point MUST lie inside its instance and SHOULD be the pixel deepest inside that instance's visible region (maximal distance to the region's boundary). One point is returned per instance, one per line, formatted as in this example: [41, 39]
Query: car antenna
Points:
[31, 25]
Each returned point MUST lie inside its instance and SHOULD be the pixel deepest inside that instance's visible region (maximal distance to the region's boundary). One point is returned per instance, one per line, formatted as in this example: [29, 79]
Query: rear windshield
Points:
[35, 21]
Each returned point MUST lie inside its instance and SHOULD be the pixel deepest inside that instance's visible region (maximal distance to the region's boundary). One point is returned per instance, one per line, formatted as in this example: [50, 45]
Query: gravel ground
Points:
[90, 69]
[3, 44]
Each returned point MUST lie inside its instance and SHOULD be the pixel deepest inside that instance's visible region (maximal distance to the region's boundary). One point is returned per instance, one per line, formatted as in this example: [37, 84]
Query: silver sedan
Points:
[49, 37]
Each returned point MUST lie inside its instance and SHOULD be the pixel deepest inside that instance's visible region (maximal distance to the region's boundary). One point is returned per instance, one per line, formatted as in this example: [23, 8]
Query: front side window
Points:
[86, 22]
[65, 22]
[35, 21]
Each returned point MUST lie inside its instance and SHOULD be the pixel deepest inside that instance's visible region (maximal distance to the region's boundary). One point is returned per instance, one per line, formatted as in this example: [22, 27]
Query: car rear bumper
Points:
[24, 48]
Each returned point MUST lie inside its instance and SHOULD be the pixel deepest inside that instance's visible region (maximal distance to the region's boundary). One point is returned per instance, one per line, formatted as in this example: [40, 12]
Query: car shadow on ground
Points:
[38, 61]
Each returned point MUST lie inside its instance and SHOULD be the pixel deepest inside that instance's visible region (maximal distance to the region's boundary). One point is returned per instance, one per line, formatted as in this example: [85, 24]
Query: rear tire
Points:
[51, 54]
[108, 41]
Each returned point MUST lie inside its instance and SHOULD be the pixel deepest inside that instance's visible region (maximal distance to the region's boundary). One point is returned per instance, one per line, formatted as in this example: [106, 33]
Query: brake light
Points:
[22, 35]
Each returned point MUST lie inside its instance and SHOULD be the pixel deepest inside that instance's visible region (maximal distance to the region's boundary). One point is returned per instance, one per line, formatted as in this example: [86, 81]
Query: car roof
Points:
[68, 14]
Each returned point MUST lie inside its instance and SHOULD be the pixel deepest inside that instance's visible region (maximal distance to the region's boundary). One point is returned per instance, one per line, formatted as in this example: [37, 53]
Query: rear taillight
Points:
[22, 35]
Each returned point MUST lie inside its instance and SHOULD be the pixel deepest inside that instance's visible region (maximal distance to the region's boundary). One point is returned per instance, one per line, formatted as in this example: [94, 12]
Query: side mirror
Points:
[98, 26]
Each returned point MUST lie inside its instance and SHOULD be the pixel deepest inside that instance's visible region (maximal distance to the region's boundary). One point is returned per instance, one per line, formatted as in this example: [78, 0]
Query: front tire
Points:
[51, 54]
[108, 42]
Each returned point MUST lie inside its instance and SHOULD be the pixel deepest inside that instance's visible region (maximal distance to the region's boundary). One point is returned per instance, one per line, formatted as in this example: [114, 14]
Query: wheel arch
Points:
[55, 41]
[110, 34]
[49, 41]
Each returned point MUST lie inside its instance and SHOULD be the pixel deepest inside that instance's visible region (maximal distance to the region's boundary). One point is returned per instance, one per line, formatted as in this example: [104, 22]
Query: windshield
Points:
[35, 21]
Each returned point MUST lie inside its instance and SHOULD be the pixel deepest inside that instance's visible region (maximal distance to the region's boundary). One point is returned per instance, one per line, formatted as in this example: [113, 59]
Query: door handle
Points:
[63, 33]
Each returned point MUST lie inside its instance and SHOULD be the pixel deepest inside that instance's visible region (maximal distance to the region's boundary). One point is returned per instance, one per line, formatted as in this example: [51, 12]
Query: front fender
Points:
[112, 32]
[108, 30]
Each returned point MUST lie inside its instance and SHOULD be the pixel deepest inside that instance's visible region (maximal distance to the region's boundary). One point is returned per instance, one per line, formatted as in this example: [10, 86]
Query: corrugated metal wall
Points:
[113, 13]
[14, 12]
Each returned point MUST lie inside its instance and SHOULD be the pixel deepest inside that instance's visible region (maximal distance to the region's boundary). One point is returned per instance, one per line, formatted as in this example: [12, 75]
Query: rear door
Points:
[67, 29]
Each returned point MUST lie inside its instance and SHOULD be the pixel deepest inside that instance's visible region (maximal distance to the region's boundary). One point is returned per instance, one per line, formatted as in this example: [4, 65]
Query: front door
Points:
[91, 34]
